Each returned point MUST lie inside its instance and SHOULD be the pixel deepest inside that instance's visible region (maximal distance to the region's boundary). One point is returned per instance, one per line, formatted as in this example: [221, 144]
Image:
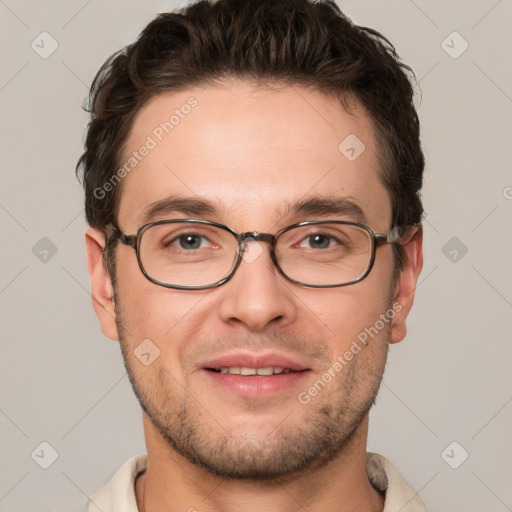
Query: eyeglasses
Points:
[192, 254]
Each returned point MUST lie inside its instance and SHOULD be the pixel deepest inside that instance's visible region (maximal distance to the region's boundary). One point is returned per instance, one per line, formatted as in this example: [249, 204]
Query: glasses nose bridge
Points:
[257, 237]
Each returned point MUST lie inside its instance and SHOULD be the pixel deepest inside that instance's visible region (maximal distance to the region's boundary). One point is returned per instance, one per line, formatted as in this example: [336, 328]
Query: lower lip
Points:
[257, 385]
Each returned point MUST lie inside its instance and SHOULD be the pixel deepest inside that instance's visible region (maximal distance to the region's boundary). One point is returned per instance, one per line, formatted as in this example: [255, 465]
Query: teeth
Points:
[265, 371]
[237, 370]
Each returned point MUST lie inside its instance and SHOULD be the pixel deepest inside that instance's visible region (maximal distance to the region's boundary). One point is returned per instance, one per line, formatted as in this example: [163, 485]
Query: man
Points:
[252, 173]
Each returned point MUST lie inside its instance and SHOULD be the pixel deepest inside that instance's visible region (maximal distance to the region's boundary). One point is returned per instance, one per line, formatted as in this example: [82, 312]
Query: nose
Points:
[258, 296]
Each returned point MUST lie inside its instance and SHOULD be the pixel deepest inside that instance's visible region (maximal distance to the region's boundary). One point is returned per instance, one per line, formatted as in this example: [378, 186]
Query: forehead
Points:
[251, 152]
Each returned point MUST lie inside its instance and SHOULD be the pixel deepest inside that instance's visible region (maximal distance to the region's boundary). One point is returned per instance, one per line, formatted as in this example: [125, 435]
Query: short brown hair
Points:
[290, 42]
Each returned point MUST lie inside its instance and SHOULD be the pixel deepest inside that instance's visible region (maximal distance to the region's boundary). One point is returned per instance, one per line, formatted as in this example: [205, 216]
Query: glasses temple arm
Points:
[114, 232]
[402, 234]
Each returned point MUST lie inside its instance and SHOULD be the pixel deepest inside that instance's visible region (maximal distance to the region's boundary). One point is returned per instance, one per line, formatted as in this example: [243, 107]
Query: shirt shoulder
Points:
[118, 495]
[400, 496]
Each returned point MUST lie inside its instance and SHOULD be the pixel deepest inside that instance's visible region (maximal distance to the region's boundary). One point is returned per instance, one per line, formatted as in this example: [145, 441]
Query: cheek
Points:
[152, 311]
[347, 312]
[162, 322]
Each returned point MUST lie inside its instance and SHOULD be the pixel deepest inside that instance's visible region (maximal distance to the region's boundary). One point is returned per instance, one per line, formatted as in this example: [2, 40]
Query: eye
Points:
[318, 241]
[190, 241]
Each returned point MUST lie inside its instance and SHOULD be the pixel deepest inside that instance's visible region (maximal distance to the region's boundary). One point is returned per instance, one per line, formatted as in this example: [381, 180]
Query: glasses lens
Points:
[187, 254]
[324, 254]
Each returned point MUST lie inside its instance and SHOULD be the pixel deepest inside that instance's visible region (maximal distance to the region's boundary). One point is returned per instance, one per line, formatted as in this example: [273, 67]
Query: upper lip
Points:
[254, 360]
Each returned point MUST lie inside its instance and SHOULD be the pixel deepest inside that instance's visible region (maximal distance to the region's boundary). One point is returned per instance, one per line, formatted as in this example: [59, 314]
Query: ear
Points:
[406, 284]
[101, 284]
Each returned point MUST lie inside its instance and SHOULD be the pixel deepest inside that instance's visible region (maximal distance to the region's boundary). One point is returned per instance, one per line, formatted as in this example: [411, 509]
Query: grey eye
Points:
[189, 241]
[319, 241]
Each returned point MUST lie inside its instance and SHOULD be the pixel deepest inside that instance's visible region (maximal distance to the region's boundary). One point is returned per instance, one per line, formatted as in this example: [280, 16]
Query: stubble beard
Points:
[327, 423]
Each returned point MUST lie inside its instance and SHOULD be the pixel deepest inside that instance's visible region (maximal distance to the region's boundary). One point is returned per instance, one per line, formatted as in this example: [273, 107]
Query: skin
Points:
[250, 150]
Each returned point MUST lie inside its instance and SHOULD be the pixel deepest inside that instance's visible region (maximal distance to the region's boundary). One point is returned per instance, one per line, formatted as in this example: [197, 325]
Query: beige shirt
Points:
[119, 494]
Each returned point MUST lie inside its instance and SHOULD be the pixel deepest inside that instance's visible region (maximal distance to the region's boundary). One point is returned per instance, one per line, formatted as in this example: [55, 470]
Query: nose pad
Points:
[250, 250]
[253, 244]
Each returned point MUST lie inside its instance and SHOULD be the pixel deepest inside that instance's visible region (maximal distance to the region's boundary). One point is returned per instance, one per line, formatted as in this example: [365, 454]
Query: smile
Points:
[237, 370]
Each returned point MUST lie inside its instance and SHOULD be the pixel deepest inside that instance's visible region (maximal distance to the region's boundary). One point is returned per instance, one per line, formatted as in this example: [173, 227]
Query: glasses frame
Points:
[377, 239]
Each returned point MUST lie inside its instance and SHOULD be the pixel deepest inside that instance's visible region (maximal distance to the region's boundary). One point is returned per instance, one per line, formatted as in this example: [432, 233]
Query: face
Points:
[253, 155]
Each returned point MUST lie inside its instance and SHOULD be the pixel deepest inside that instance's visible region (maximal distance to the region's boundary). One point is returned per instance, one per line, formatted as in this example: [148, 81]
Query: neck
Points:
[172, 483]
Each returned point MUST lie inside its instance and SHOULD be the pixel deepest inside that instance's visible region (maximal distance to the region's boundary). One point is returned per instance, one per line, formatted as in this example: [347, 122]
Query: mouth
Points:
[254, 375]
[237, 370]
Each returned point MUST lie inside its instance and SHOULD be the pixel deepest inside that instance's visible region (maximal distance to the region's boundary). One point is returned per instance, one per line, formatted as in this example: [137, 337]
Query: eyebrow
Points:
[191, 206]
[331, 205]
[318, 206]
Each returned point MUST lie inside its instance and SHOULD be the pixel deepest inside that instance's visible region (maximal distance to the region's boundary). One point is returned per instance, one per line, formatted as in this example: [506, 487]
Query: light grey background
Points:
[62, 382]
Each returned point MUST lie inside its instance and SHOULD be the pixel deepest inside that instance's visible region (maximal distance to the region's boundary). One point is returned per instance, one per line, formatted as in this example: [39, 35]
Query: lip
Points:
[255, 385]
[253, 360]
